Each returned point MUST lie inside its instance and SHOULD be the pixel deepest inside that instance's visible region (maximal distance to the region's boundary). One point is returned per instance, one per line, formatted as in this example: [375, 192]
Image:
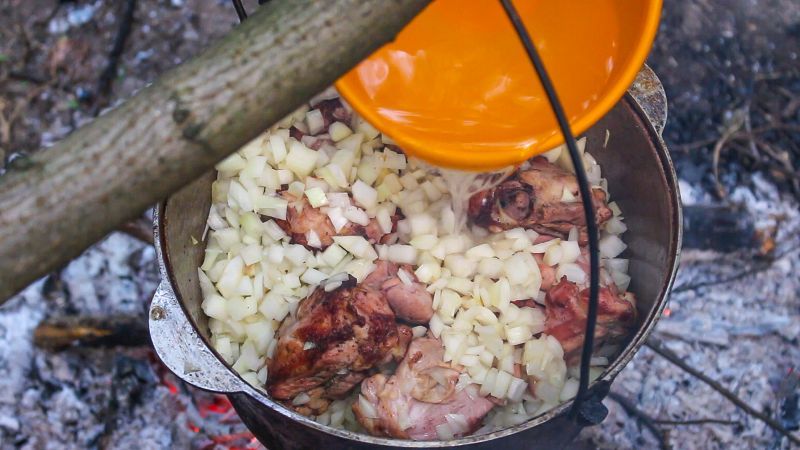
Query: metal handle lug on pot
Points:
[648, 92]
[182, 350]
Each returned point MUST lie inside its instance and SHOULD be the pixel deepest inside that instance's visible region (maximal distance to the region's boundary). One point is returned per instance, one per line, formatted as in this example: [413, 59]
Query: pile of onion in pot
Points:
[254, 276]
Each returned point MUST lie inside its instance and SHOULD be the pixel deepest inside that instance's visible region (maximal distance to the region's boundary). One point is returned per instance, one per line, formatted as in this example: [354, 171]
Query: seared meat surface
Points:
[332, 343]
[301, 219]
[413, 401]
[409, 302]
[566, 307]
[533, 198]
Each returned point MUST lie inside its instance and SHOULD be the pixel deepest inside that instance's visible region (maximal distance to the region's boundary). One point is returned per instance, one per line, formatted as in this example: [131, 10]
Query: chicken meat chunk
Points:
[413, 402]
[566, 306]
[302, 220]
[539, 198]
[409, 301]
[333, 342]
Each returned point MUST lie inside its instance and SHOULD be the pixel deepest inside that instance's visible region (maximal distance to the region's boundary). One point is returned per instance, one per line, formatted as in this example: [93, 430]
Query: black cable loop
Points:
[583, 185]
[586, 196]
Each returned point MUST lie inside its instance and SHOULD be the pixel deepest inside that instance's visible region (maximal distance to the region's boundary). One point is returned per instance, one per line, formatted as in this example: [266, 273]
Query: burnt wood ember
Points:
[62, 332]
[718, 227]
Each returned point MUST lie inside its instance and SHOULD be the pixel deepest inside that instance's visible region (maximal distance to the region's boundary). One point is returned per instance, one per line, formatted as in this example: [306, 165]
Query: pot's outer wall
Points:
[282, 433]
[641, 180]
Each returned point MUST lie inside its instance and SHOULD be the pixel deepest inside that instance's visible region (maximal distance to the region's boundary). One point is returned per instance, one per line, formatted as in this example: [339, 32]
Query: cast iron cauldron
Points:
[641, 180]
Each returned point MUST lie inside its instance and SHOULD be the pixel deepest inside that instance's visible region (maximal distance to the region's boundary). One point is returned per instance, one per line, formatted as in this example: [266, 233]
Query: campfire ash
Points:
[106, 389]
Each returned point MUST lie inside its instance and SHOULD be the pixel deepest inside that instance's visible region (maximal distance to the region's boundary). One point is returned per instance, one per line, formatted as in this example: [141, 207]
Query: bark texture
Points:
[58, 202]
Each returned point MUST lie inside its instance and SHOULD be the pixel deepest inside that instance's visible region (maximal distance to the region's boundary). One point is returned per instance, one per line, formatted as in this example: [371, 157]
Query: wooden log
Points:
[58, 202]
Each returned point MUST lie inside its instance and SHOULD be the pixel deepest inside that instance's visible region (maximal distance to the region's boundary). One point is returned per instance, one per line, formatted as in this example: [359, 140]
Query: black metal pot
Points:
[641, 180]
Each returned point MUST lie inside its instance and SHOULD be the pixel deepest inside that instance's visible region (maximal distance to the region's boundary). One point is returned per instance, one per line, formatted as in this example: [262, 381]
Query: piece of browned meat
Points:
[410, 302]
[335, 339]
[566, 308]
[532, 198]
[413, 401]
[301, 218]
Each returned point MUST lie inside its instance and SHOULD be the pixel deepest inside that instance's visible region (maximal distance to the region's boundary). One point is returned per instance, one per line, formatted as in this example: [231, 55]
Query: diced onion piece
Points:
[422, 224]
[572, 271]
[565, 161]
[339, 131]
[450, 302]
[621, 279]
[333, 255]
[516, 389]
[337, 218]
[543, 246]
[239, 307]
[231, 276]
[232, 164]
[615, 225]
[384, 218]
[278, 147]
[617, 264]
[364, 194]
[570, 251]
[215, 307]
[444, 432]
[251, 254]
[315, 121]
[614, 207]
[427, 272]
[394, 160]
[488, 382]
[567, 196]
[369, 168]
[491, 267]
[518, 335]
[301, 160]
[554, 154]
[569, 390]
[316, 197]
[480, 251]
[357, 245]
[404, 277]
[285, 176]
[274, 230]
[313, 240]
[356, 215]
[501, 384]
[313, 276]
[553, 254]
[402, 254]
[611, 246]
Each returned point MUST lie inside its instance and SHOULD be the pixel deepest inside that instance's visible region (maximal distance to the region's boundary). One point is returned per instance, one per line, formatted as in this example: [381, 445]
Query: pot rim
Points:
[635, 343]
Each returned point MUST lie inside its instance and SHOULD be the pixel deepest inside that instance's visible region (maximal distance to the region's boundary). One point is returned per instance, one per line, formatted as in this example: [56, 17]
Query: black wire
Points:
[586, 195]
[237, 5]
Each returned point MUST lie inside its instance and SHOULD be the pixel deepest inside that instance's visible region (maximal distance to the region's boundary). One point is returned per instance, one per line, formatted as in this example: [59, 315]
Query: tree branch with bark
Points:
[59, 201]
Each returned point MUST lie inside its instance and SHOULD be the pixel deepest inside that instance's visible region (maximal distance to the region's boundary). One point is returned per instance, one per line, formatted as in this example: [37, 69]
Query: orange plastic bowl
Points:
[457, 89]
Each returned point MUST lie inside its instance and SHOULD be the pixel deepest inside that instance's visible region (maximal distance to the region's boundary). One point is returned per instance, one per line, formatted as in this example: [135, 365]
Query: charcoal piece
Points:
[717, 227]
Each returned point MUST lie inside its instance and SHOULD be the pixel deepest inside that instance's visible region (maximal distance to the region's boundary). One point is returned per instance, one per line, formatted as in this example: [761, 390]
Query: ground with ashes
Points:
[729, 68]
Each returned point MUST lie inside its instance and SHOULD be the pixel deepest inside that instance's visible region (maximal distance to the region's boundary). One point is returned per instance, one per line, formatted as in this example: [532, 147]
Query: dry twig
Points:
[655, 345]
[755, 269]
[697, 422]
[124, 28]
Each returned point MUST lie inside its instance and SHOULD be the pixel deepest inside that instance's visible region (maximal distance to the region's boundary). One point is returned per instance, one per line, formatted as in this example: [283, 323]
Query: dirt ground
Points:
[731, 72]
